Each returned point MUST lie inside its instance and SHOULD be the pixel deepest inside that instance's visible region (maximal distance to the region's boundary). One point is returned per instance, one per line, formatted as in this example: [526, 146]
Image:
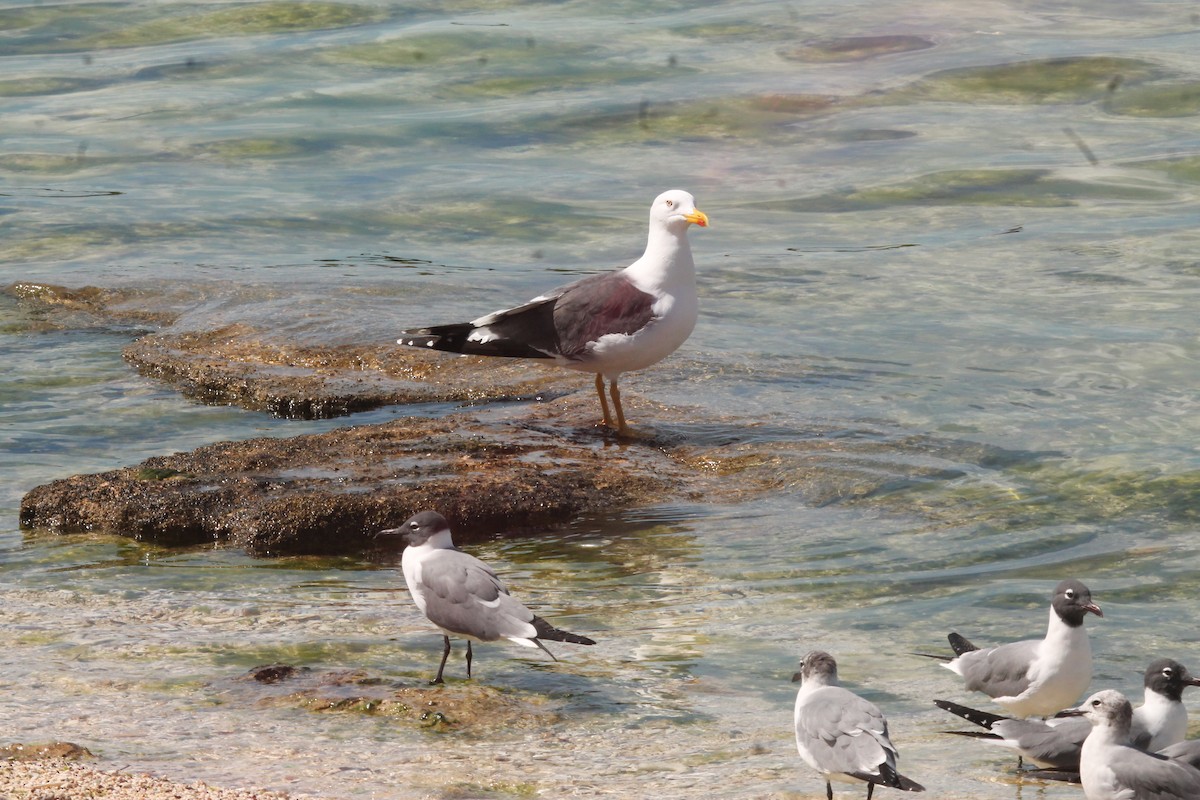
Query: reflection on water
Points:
[947, 420]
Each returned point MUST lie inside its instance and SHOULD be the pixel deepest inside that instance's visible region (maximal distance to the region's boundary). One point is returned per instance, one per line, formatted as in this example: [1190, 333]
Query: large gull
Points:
[609, 324]
[841, 735]
[462, 595]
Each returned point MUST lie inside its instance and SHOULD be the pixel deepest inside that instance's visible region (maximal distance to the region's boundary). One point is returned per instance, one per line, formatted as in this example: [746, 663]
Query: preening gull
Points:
[462, 595]
[608, 324]
[1111, 769]
[1055, 743]
[1035, 677]
[841, 735]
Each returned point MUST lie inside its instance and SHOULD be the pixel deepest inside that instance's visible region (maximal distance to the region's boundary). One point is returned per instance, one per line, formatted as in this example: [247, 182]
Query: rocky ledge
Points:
[330, 492]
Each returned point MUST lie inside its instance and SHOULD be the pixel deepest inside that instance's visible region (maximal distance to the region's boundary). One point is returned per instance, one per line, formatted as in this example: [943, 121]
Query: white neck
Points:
[1164, 719]
[667, 261]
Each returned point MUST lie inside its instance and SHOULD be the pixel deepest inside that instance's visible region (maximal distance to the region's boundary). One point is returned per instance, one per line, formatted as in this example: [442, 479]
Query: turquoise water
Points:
[953, 247]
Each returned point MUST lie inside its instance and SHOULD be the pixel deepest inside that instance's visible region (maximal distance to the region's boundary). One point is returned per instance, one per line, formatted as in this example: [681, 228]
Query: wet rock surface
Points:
[330, 492]
[46, 750]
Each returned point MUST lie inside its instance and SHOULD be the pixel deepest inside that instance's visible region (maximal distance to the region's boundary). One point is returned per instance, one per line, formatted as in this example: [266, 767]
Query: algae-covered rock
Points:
[455, 706]
[330, 492]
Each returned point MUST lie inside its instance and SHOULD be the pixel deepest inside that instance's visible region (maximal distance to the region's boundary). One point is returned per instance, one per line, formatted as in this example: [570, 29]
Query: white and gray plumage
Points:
[1056, 743]
[1035, 677]
[1187, 752]
[841, 735]
[608, 324]
[462, 595]
[1112, 769]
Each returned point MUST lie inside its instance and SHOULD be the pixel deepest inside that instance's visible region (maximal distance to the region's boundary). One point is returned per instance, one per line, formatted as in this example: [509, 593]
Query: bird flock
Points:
[630, 319]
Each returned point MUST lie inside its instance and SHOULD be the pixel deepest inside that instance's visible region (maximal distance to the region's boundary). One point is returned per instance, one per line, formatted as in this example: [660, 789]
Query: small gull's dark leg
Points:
[870, 789]
[468, 658]
[445, 655]
[603, 400]
[829, 790]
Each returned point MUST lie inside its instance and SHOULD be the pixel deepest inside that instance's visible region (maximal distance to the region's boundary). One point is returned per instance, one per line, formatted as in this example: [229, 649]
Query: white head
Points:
[1108, 708]
[675, 210]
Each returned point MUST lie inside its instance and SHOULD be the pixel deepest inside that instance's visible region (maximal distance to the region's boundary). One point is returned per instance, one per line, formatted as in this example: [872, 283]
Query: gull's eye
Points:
[1168, 672]
[1095, 704]
[670, 203]
[1070, 594]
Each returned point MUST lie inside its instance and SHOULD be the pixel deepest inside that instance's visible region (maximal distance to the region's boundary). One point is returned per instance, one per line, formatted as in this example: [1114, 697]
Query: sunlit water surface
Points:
[955, 240]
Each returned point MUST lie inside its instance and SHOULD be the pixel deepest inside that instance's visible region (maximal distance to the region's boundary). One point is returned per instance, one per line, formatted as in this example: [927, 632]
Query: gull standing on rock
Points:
[841, 735]
[608, 324]
[1035, 677]
[462, 595]
[1111, 769]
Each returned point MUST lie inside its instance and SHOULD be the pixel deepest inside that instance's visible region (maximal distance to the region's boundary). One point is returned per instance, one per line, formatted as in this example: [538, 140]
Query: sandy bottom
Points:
[59, 779]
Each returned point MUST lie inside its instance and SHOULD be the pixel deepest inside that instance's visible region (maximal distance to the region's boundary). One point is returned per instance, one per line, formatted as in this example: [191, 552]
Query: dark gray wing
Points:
[597, 306]
[463, 595]
[1054, 744]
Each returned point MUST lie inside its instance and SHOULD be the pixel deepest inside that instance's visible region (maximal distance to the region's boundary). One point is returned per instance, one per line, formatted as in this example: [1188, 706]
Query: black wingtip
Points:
[547, 631]
[960, 644]
[983, 719]
[889, 777]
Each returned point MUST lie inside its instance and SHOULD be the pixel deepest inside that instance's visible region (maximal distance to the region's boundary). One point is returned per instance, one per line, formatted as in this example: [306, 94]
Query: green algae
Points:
[259, 148]
[1058, 80]
[35, 86]
[1180, 169]
[856, 48]
[59, 29]
[1031, 188]
[47, 163]
[1175, 100]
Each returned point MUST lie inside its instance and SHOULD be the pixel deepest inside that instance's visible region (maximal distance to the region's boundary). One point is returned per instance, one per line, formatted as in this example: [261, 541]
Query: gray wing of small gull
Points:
[1152, 777]
[1056, 744]
[463, 595]
[1185, 752]
[999, 671]
[844, 732]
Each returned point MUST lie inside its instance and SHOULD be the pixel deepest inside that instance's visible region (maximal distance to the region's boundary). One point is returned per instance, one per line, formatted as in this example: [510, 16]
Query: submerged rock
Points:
[454, 706]
[46, 750]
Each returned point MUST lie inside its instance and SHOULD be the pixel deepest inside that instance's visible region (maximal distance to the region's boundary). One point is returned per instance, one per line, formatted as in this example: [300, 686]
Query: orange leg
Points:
[616, 398]
[608, 420]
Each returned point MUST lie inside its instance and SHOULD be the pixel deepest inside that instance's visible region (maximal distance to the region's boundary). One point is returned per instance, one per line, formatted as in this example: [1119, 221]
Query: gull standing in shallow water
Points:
[1035, 677]
[1111, 769]
[462, 595]
[608, 324]
[841, 735]
[1055, 743]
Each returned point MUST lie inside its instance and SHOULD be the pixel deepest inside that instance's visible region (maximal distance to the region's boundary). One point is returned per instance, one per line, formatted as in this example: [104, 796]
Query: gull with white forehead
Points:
[462, 595]
[609, 324]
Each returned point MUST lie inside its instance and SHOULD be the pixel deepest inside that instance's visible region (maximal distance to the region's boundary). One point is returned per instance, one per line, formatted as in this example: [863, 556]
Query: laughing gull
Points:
[841, 735]
[1112, 769]
[1035, 677]
[608, 324]
[1055, 744]
[462, 595]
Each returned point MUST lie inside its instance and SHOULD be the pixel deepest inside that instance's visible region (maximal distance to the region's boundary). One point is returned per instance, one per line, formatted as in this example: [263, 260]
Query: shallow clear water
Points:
[952, 246]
